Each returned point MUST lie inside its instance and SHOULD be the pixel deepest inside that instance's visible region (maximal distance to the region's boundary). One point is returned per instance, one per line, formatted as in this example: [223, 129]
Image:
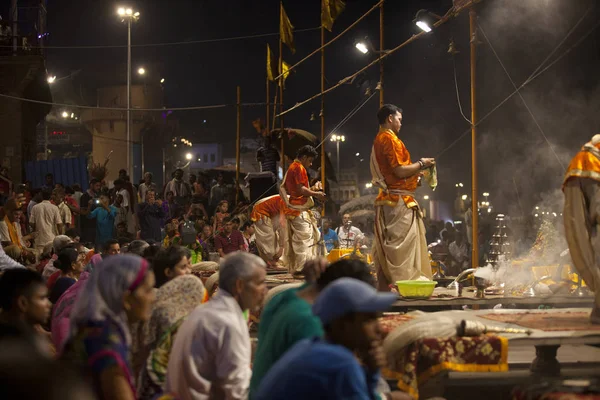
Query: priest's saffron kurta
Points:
[303, 234]
[400, 249]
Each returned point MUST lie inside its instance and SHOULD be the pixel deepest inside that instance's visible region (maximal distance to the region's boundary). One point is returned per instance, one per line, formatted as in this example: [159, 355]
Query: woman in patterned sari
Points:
[119, 292]
[175, 300]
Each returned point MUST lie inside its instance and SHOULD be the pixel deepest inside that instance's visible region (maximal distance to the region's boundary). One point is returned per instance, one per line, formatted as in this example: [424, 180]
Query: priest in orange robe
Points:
[581, 188]
[400, 249]
[268, 215]
[303, 234]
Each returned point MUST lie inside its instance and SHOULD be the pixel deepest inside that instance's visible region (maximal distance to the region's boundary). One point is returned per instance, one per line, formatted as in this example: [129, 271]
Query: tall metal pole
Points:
[237, 145]
[164, 167]
[380, 54]
[323, 175]
[337, 143]
[129, 97]
[475, 209]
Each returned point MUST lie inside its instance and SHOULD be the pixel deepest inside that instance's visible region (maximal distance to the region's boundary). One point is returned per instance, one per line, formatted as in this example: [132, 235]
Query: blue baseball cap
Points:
[349, 295]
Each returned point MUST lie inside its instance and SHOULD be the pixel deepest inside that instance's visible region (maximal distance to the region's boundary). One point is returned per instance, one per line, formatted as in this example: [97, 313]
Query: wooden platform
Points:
[468, 299]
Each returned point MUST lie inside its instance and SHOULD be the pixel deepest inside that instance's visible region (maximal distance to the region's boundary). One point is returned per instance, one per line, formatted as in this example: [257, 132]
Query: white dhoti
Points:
[581, 219]
[268, 239]
[400, 250]
[303, 238]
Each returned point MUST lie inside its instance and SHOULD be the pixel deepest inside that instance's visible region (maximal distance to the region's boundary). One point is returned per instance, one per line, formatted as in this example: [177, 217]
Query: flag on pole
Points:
[271, 64]
[286, 30]
[286, 71]
[330, 10]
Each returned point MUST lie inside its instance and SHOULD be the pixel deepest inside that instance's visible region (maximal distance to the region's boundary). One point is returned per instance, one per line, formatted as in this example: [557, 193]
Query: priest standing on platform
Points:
[303, 234]
[400, 247]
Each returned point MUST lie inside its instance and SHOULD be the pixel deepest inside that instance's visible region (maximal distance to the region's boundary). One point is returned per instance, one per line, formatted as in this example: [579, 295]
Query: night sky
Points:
[513, 155]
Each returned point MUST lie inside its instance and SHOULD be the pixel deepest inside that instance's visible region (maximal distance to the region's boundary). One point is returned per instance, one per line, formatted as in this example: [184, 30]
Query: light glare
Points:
[424, 26]
[362, 47]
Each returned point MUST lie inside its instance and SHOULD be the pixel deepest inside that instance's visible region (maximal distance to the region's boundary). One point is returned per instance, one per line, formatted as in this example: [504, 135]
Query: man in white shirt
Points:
[45, 220]
[121, 190]
[348, 236]
[459, 254]
[146, 185]
[210, 358]
[63, 210]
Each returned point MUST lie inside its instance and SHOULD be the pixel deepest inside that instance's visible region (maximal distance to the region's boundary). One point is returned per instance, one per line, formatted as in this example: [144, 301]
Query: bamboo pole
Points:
[475, 209]
[381, 49]
[237, 146]
[283, 166]
[323, 174]
[268, 116]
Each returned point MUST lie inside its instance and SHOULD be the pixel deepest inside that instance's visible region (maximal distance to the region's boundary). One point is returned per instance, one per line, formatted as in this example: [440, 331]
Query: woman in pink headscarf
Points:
[62, 309]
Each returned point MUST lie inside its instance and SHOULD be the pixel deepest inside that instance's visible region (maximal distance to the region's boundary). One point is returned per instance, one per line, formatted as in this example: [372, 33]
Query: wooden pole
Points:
[475, 209]
[323, 174]
[381, 49]
[268, 117]
[237, 146]
[283, 167]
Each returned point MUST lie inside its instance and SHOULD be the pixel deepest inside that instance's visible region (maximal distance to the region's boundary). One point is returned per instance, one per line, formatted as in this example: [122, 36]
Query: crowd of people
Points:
[112, 286]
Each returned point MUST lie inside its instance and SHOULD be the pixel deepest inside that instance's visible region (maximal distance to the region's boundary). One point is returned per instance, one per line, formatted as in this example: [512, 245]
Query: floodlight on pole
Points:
[121, 11]
[65, 114]
[188, 156]
[128, 11]
[162, 80]
[51, 79]
[426, 197]
[362, 47]
[425, 20]
[141, 71]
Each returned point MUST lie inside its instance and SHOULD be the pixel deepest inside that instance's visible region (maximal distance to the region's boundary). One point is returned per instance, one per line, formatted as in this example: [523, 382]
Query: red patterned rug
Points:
[555, 321]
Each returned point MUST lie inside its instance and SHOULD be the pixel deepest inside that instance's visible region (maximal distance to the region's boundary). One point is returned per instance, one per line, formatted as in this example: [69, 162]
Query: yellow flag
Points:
[330, 10]
[271, 64]
[286, 71]
[286, 30]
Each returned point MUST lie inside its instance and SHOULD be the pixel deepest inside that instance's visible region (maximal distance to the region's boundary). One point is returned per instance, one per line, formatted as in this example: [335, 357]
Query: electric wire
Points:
[527, 82]
[202, 41]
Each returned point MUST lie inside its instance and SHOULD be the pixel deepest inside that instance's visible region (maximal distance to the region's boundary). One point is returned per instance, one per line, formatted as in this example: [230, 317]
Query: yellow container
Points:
[419, 289]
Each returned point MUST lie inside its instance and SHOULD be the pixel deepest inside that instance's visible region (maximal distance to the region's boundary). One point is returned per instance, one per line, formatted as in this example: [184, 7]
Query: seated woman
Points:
[70, 264]
[175, 300]
[119, 292]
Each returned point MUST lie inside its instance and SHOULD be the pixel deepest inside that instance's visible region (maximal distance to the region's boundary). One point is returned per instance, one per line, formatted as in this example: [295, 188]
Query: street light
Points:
[368, 185]
[337, 139]
[141, 71]
[425, 20]
[162, 80]
[486, 194]
[188, 156]
[51, 79]
[362, 47]
[425, 197]
[464, 197]
[128, 16]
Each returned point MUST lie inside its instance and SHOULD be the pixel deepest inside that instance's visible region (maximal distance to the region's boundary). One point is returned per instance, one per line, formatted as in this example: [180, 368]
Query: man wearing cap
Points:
[346, 363]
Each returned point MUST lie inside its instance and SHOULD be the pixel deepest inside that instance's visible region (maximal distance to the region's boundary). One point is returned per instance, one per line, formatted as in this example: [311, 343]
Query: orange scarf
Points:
[14, 238]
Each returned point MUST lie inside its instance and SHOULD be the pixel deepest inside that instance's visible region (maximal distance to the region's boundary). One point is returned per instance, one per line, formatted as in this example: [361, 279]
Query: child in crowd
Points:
[220, 215]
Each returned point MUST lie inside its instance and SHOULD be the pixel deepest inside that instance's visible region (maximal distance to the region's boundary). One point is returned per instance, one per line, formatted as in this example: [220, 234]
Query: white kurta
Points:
[210, 358]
